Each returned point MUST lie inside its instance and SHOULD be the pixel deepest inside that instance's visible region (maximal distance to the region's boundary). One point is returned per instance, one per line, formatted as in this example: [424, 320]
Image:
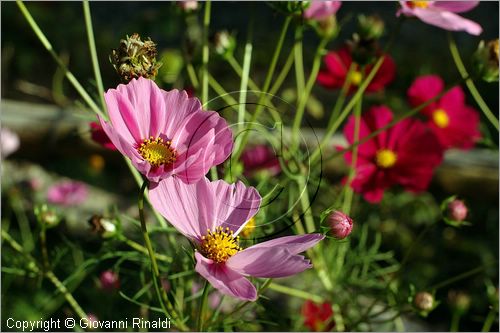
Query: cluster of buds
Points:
[364, 44]
[485, 61]
[135, 58]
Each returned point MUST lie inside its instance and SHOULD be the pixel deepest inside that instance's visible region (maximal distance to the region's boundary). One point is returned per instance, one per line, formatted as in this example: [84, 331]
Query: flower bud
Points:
[188, 5]
[457, 210]
[459, 301]
[340, 224]
[370, 27]
[424, 301]
[224, 43]
[109, 280]
[102, 226]
[93, 321]
[485, 61]
[47, 216]
[135, 58]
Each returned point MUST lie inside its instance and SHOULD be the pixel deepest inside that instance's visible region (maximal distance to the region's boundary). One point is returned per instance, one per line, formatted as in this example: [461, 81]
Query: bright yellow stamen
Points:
[356, 78]
[248, 228]
[386, 158]
[418, 4]
[219, 245]
[157, 152]
[440, 118]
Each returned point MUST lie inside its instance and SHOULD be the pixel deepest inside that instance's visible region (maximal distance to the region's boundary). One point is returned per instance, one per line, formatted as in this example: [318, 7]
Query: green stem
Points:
[138, 247]
[304, 96]
[299, 62]
[244, 81]
[490, 319]
[263, 97]
[470, 83]
[343, 93]
[205, 55]
[71, 78]
[67, 295]
[93, 52]
[295, 292]
[192, 75]
[458, 277]
[43, 245]
[203, 306]
[455, 321]
[282, 75]
[349, 191]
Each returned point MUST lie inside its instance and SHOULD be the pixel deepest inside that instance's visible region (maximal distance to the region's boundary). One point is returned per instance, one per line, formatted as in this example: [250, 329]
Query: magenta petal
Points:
[456, 6]
[235, 205]
[319, 10]
[448, 20]
[269, 262]
[225, 279]
[188, 207]
[122, 116]
[178, 108]
[294, 244]
[424, 88]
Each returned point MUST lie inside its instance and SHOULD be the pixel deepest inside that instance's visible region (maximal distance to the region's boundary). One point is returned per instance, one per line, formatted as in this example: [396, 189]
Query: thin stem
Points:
[205, 54]
[265, 88]
[304, 96]
[470, 83]
[490, 319]
[244, 80]
[43, 245]
[67, 295]
[71, 78]
[192, 75]
[203, 306]
[458, 277]
[295, 292]
[138, 247]
[343, 93]
[93, 52]
[299, 62]
[455, 321]
[282, 75]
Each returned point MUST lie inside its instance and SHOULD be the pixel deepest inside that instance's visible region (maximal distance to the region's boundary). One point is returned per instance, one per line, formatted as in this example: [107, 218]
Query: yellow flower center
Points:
[418, 4]
[440, 118]
[356, 78]
[386, 158]
[248, 228]
[219, 245]
[157, 152]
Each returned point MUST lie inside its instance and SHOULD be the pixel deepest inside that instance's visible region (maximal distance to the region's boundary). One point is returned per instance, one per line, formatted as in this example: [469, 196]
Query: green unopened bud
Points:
[224, 43]
[370, 27]
[106, 228]
[135, 58]
[485, 61]
[47, 216]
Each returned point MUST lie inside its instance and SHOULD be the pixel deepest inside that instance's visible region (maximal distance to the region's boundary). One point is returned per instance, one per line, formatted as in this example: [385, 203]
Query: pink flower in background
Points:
[9, 142]
[442, 14]
[320, 10]
[165, 133]
[260, 157]
[109, 280]
[67, 193]
[99, 136]
[340, 224]
[337, 64]
[188, 5]
[457, 210]
[211, 214]
[405, 154]
[455, 124]
[318, 317]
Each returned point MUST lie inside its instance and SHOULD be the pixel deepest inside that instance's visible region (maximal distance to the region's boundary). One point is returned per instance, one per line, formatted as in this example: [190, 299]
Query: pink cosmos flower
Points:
[405, 154]
[442, 14]
[211, 214]
[260, 157]
[67, 193]
[337, 65]
[454, 123]
[320, 10]
[165, 133]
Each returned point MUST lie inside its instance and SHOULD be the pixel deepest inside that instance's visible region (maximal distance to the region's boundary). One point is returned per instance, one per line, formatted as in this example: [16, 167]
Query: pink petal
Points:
[456, 6]
[178, 108]
[122, 117]
[225, 279]
[447, 20]
[423, 89]
[319, 10]
[275, 258]
[235, 205]
[190, 208]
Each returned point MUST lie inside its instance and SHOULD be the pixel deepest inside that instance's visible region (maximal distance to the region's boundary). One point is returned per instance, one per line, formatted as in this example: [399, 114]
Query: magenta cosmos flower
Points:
[337, 64]
[405, 154]
[165, 133]
[442, 14]
[454, 123]
[320, 10]
[67, 193]
[260, 157]
[211, 215]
